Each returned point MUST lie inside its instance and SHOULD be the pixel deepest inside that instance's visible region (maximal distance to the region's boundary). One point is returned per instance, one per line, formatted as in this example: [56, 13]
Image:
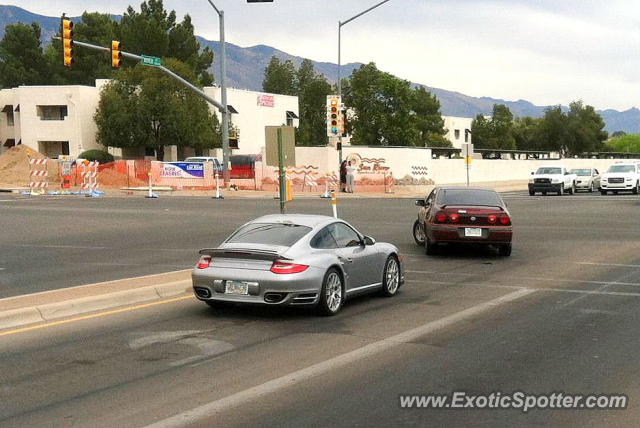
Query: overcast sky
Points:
[544, 51]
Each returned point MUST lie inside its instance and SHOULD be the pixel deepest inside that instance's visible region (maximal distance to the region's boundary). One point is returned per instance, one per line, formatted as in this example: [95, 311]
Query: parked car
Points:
[217, 165]
[463, 215]
[587, 179]
[621, 176]
[553, 178]
[297, 260]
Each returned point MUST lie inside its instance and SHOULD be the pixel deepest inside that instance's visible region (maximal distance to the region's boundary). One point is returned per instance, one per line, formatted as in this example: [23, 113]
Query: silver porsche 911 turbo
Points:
[296, 260]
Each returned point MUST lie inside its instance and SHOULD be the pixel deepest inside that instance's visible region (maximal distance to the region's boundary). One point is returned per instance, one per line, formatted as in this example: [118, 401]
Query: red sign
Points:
[266, 100]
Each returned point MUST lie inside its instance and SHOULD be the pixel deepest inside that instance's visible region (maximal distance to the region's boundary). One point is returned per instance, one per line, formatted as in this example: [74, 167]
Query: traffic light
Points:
[116, 55]
[67, 42]
[345, 122]
[334, 117]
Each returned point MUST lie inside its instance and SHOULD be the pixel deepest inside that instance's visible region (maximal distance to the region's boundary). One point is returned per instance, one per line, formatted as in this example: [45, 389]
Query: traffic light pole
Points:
[223, 96]
[340, 24]
[188, 84]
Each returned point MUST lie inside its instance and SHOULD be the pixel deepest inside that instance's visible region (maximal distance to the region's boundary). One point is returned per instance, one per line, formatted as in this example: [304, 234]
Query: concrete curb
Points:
[52, 311]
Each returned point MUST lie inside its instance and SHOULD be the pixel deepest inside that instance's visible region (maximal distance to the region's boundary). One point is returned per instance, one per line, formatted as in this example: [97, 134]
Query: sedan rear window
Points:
[469, 197]
[282, 234]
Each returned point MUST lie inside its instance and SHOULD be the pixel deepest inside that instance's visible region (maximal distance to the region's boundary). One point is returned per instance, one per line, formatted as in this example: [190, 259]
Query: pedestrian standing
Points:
[343, 176]
[351, 178]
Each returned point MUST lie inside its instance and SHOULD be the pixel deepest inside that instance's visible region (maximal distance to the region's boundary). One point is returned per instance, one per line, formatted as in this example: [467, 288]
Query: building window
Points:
[290, 116]
[466, 135]
[8, 110]
[52, 112]
[457, 134]
[53, 149]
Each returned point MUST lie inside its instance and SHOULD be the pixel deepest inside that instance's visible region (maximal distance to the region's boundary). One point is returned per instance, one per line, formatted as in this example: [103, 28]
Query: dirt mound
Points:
[14, 166]
[113, 178]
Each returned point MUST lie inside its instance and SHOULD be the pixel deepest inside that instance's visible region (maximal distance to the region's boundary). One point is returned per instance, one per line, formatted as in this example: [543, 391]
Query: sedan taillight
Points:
[454, 218]
[441, 218]
[505, 220]
[286, 268]
[204, 262]
[492, 219]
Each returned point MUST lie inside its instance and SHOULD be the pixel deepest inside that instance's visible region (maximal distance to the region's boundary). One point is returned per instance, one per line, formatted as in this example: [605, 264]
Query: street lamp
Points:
[340, 24]
[223, 89]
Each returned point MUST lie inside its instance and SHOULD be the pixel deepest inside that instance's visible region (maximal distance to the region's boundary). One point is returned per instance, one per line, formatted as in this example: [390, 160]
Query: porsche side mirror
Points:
[369, 240]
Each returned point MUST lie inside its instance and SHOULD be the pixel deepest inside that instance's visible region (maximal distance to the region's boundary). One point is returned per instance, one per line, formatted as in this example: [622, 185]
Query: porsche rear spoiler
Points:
[228, 253]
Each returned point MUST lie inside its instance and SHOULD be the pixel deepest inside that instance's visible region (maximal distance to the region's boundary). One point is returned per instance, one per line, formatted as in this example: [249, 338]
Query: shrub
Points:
[97, 155]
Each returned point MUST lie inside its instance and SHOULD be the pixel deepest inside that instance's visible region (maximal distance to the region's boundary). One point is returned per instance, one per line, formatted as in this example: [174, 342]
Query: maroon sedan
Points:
[463, 215]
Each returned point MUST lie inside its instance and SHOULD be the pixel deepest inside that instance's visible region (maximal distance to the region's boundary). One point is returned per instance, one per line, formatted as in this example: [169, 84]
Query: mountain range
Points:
[246, 65]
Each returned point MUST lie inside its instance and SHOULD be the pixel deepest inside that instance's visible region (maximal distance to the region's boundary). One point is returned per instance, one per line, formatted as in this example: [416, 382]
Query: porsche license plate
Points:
[237, 287]
[473, 232]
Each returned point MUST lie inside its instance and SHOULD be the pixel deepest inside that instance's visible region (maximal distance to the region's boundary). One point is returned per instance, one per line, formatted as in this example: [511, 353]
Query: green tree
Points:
[553, 129]
[22, 60]
[154, 31]
[279, 77]
[629, 143]
[481, 131]
[494, 133]
[312, 90]
[383, 105]
[428, 119]
[144, 107]
[585, 129]
[527, 134]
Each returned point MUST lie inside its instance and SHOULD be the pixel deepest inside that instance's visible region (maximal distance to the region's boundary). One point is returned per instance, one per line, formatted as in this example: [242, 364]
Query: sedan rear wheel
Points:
[391, 277]
[430, 248]
[418, 232]
[331, 294]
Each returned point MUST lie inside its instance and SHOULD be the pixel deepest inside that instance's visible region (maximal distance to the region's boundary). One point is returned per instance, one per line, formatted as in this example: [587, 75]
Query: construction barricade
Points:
[89, 174]
[39, 176]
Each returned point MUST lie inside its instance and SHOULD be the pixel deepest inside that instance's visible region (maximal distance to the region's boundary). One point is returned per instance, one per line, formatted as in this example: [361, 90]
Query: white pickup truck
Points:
[552, 178]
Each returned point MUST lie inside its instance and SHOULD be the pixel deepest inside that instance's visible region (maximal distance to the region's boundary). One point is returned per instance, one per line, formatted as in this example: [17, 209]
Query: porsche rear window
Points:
[469, 197]
[282, 234]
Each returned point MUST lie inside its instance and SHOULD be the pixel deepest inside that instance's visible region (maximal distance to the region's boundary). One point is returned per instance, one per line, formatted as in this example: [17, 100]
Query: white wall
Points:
[418, 165]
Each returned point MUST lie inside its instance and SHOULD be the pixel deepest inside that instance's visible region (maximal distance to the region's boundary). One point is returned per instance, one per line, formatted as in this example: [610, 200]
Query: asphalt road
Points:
[561, 314]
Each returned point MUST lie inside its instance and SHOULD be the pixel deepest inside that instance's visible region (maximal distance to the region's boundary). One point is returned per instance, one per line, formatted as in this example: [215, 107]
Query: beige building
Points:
[58, 120]
[54, 120]
[457, 128]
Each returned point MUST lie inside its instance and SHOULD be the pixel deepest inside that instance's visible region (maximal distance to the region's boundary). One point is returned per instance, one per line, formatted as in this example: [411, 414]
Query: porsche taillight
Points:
[286, 268]
[204, 262]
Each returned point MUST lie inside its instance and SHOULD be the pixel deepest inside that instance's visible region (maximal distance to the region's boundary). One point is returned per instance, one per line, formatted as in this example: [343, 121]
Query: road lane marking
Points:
[530, 278]
[606, 264]
[92, 316]
[524, 287]
[302, 375]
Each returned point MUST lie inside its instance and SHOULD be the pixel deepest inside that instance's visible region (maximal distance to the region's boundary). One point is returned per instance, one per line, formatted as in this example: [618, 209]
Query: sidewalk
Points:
[397, 191]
